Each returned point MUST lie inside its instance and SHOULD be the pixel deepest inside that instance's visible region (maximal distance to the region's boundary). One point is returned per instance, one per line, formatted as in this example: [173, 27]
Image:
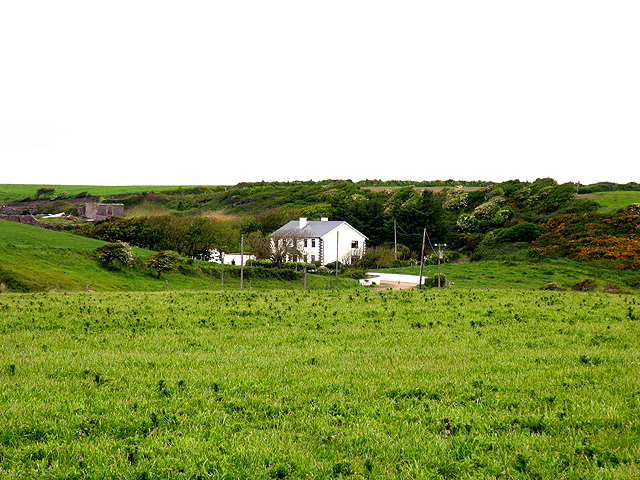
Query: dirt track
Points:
[598, 195]
[386, 284]
[420, 189]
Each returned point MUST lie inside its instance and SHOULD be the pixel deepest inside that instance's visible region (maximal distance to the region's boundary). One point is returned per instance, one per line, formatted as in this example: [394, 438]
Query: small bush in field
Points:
[553, 286]
[433, 281]
[586, 285]
[163, 261]
[112, 253]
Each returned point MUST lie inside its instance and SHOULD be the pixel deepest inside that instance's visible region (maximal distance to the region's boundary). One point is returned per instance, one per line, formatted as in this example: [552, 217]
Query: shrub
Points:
[163, 261]
[612, 288]
[12, 283]
[44, 193]
[332, 265]
[119, 252]
[633, 207]
[266, 263]
[552, 286]
[520, 232]
[633, 281]
[432, 282]
[586, 285]
[467, 223]
[355, 273]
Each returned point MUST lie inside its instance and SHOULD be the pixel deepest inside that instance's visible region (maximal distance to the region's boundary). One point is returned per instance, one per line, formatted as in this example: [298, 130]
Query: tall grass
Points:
[449, 384]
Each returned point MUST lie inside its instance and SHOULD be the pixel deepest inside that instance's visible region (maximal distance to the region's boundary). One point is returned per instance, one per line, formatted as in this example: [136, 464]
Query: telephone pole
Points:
[424, 234]
[440, 257]
[241, 261]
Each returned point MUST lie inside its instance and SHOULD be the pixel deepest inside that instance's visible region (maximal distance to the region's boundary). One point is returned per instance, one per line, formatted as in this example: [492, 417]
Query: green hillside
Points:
[18, 192]
[35, 259]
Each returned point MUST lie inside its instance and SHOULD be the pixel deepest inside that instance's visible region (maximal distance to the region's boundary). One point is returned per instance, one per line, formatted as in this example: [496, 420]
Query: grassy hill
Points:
[35, 259]
[18, 192]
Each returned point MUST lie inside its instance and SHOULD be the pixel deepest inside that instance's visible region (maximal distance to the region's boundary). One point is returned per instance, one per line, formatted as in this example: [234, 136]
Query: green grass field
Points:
[16, 192]
[613, 201]
[524, 274]
[471, 384]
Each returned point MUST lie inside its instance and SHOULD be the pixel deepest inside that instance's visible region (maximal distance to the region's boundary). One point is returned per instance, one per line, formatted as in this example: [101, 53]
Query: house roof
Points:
[315, 228]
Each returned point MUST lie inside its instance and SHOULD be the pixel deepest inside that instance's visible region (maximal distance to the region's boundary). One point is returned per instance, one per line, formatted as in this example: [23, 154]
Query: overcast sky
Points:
[219, 92]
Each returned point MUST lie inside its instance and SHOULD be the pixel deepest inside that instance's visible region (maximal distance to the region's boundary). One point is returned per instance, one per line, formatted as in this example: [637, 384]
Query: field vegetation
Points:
[527, 275]
[611, 202]
[21, 192]
[360, 384]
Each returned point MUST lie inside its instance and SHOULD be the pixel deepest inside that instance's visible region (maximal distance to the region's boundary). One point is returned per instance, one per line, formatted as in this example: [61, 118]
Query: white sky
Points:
[219, 92]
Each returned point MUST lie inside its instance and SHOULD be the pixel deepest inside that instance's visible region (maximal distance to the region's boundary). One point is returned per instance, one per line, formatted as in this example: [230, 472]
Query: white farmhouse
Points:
[326, 241]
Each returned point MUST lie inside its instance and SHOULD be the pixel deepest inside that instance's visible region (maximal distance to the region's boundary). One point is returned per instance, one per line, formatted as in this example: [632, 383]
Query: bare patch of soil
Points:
[387, 284]
[220, 215]
[420, 189]
[599, 195]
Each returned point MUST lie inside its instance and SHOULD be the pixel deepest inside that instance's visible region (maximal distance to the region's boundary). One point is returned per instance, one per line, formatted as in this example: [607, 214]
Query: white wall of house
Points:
[342, 243]
[326, 242]
[312, 249]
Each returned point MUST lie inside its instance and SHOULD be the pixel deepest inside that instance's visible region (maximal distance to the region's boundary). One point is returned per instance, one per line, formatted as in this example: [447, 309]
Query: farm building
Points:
[323, 240]
[102, 211]
[229, 258]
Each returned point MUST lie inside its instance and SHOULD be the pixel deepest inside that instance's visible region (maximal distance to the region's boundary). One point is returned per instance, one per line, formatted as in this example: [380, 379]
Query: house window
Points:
[313, 242]
[305, 242]
[354, 244]
[313, 258]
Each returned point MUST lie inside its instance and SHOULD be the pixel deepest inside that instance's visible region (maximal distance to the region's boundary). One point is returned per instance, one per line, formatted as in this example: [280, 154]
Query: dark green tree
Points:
[119, 252]
[163, 261]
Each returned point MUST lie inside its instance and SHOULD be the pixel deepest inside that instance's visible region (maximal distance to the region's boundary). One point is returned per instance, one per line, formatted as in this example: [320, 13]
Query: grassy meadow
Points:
[17, 192]
[343, 384]
[613, 201]
[524, 274]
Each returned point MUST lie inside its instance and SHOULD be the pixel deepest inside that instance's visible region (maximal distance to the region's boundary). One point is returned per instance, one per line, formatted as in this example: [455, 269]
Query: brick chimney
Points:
[303, 222]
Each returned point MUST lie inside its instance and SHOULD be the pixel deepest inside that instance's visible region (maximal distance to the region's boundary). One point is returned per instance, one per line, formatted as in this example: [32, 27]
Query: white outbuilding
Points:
[325, 240]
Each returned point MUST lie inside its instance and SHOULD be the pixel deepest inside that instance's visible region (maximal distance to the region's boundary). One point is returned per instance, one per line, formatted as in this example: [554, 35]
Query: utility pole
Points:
[241, 260]
[222, 272]
[424, 234]
[305, 274]
[440, 257]
[337, 251]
